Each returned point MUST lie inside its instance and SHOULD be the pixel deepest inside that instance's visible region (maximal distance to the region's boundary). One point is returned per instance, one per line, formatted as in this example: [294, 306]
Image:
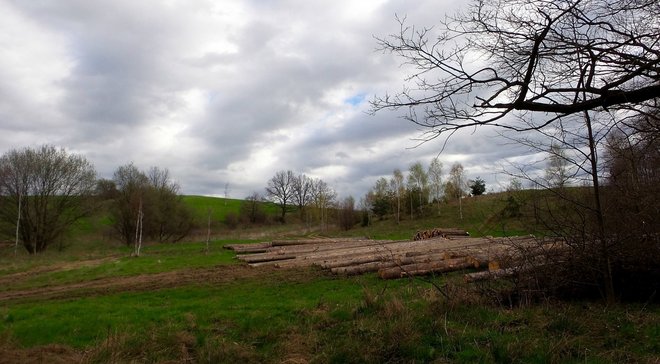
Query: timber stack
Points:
[449, 250]
[435, 233]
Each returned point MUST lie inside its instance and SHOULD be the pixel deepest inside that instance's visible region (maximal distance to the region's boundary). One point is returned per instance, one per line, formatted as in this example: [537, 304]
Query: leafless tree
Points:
[252, 209]
[132, 185]
[302, 193]
[510, 57]
[281, 189]
[347, 213]
[52, 188]
[149, 201]
[324, 197]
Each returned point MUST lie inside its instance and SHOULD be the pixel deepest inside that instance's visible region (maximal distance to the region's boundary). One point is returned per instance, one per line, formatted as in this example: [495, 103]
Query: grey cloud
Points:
[135, 65]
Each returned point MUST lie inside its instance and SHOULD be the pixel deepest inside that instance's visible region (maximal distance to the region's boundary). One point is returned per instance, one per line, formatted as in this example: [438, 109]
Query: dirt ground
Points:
[143, 282]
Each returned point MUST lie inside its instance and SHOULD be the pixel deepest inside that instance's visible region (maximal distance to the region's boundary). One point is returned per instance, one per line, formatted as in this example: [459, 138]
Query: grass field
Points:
[94, 302]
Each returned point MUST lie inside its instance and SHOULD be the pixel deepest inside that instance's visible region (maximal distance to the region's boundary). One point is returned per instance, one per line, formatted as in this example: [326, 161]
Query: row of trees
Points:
[45, 190]
[313, 197]
[421, 188]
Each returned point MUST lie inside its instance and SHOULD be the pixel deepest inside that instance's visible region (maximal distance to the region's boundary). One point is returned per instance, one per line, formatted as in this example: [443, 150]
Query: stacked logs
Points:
[437, 232]
[397, 259]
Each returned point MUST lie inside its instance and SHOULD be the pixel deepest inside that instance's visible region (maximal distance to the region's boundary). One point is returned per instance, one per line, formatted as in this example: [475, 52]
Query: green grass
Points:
[219, 207]
[326, 319]
[307, 314]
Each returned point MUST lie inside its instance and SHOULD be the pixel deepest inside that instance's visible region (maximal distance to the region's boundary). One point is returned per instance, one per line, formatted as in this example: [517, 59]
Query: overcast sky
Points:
[221, 91]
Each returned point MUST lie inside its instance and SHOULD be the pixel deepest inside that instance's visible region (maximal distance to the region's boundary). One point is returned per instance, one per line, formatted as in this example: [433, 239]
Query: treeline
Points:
[419, 191]
[315, 202]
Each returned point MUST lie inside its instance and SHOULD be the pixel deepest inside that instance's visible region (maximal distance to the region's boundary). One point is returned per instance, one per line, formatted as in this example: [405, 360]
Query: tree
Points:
[455, 185]
[418, 185]
[252, 209]
[477, 187]
[380, 197]
[323, 196]
[52, 188]
[105, 189]
[129, 205]
[347, 213]
[149, 204]
[280, 190]
[509, 57]
[396, 185]
[556, 171]
[170, 220]
[302, 193]
[435, 180]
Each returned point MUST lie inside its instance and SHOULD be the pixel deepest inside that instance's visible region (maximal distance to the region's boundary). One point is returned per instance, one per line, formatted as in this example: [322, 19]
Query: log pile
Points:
[437, 232]
[396, 258]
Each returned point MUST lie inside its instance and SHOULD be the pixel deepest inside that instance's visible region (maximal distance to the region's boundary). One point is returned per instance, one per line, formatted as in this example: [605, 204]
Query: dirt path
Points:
[145, 282]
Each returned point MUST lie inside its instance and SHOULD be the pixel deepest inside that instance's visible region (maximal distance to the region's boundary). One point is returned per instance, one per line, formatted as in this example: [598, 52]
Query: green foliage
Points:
[477, 187]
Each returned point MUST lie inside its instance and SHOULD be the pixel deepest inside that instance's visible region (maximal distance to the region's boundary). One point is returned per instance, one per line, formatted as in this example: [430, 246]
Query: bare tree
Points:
[252, 209]
[149, 202]
[280, 189]
[510, 57]
[347, 213]
[132, 185]
[50, 187]
[323, 197]
[302, 193]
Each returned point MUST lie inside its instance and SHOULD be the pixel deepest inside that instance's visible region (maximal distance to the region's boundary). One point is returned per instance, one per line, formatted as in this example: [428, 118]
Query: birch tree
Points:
[435, 180]
[456, 185]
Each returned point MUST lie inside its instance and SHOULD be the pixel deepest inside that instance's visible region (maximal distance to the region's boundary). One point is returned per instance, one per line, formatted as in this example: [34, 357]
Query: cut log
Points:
[363, 268]
[248, 247]
[425, 268]
[251, 258]
[488, 275]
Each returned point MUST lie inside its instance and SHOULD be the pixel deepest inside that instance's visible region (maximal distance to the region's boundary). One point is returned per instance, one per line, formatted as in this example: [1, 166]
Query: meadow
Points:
[94, 302]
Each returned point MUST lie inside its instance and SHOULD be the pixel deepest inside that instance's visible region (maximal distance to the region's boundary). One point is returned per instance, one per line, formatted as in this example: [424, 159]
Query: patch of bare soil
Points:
[55, 354]
[149, 282]
[61, 266]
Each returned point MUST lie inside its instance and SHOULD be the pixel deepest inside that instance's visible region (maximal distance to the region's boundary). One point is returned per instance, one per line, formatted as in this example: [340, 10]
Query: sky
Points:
[223, 93]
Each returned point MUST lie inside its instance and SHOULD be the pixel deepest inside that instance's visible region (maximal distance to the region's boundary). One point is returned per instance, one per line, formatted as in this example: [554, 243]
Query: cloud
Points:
[218, 92]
